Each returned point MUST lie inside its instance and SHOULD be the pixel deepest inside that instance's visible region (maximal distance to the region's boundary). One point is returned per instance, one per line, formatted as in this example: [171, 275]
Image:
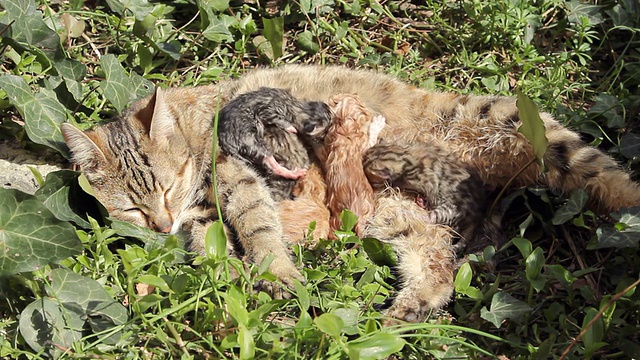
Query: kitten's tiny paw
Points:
[292, 130]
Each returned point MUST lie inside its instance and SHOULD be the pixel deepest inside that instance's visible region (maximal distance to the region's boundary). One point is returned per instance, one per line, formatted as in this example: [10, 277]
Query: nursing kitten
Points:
[152, 167]
[242, 124]
[452, 193]
[341, 150]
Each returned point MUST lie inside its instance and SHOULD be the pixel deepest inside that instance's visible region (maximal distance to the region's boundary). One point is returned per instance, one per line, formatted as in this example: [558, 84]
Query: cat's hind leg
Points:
[426, 259]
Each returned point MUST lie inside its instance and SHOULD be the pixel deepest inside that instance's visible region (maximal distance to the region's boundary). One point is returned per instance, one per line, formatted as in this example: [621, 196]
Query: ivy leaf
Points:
[626, 233]
[72, 72]
[30, 30]
[578, 9]
[379, 346]
[58, 194]
[42, 112]
[139, 8]
[532, 126]
[274, 33]
[94, 305]
[117, 87]
[609, 107]
[630, 146]
[574, 206]
[218, 29]
[44, 323]
[30, 235]
[504, 306]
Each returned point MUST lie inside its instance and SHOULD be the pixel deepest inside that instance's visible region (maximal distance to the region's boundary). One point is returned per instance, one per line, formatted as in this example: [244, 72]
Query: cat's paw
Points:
[286, 272]
[409, 311]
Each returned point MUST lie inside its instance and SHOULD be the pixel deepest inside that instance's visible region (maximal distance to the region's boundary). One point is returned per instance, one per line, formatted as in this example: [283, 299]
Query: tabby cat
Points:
[128, 163]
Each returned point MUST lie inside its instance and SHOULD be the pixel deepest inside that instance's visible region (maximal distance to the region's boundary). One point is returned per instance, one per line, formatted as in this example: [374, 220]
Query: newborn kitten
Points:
[448, 188]
[345, 141]
[244, 122]
[290, 150]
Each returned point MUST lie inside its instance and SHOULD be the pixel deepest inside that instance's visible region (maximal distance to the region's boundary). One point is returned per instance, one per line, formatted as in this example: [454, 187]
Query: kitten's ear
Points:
[156, 117]
[84, 150]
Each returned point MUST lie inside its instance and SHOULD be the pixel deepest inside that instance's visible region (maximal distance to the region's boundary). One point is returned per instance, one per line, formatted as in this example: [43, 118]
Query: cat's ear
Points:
[157, 118]
[84, 150]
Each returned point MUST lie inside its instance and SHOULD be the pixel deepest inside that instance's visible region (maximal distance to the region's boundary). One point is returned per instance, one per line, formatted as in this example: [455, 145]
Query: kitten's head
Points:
[139, 165]
[315, 119]
[384, 164]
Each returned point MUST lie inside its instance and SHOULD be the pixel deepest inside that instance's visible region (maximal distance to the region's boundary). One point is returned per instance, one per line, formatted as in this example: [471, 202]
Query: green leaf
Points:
[330, 324]
[218, 29]
[463, 278]
[609, 107]
[236, 309]
[303, 295]
[534, 264]
[45, 326]
[93, 302]
[59, 192]
[348, 220]
[42, 112]
[595, 333]
[532, 126]
[504, 306]
[630, 145]
[274, 33]
[575, 204]
[72, 72]
[30, 235]
[379, 346]
[247, 345]
[618, 236]
[153, 280]
[380, 253]
[350, 317]
[524, 245]
[216, 241]
[306, 42]
[117, 87]
[30, 30]
[139, 8]
[578, 9]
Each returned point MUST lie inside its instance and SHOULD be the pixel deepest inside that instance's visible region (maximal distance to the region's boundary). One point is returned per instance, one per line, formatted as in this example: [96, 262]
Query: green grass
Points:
[123, 292]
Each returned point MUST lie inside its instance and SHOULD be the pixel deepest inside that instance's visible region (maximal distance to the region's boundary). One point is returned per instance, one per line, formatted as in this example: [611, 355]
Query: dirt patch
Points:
[15, 162]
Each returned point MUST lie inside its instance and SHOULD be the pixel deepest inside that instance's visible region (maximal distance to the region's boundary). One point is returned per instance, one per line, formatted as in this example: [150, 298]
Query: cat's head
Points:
[139, 165]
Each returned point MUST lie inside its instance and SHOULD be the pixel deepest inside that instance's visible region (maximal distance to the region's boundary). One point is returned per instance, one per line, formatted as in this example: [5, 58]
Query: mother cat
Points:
[151, 166]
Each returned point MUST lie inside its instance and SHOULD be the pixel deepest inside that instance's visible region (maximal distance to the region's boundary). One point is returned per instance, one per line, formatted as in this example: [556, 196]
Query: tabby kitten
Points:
[152, 167]
[452, 193]
[243, 121]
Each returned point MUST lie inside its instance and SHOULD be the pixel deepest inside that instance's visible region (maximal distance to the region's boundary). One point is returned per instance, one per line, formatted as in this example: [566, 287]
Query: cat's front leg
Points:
[248, 207]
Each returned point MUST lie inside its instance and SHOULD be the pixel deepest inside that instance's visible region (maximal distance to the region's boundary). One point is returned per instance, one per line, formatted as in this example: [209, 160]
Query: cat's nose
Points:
[163, 224]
